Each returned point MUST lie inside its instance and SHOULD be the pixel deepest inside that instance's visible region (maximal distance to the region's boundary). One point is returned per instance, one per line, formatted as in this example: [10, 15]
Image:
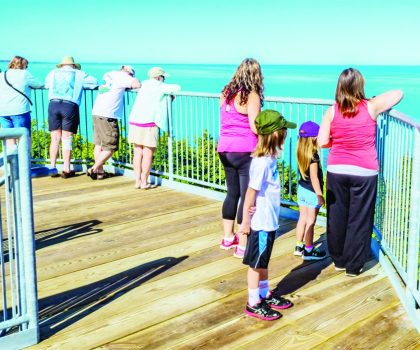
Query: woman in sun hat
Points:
[149, 113]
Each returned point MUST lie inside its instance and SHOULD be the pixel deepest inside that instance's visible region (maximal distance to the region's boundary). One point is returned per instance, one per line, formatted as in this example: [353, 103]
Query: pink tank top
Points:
[353, 139]
[235, 132]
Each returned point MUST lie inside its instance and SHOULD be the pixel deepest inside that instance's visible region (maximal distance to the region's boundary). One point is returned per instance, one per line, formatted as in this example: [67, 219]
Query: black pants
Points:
[236, 166]
[350, 213]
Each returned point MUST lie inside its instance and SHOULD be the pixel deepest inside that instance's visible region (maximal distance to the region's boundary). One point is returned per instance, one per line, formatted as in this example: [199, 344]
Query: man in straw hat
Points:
[106, 112]
[65, 86]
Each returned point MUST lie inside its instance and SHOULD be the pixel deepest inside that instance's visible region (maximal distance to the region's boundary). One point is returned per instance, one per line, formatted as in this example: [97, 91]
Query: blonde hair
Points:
[268, 145]
[350, 92]
[18, 62]
[306, 148]
[247, 78]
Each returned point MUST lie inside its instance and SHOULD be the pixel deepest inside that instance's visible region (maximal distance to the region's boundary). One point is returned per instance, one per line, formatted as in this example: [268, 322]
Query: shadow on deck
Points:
[120, 268]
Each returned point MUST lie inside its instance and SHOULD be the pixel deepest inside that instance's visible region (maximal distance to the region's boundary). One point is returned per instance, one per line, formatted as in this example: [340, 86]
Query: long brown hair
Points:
[248, 77]
[268, 145]
[350, 92]
[306, 148]
[18, 62]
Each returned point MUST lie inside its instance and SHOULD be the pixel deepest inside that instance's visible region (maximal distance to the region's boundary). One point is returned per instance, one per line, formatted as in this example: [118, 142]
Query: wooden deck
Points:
[120, 268]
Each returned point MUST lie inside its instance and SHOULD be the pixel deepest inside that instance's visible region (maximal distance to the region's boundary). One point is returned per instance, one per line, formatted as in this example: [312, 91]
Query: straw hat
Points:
[68, 60]
[156, 72]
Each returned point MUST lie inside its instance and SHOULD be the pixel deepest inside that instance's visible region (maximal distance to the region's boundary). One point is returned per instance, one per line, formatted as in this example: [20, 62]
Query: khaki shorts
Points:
[106, 133]
[143, 136]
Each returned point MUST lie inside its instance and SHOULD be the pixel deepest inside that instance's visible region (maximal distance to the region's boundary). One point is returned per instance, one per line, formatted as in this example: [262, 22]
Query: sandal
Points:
[92, 174]
[101, 176]
[148, 186]
[68, 174]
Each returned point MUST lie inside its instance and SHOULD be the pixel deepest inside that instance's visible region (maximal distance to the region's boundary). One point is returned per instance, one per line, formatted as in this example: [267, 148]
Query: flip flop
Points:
[101, 176]
[148, 186]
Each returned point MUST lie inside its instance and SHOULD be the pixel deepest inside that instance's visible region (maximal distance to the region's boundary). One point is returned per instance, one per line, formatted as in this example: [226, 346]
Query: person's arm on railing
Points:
[384, 102]
[324, 136]
[33, 82]
[135, 84]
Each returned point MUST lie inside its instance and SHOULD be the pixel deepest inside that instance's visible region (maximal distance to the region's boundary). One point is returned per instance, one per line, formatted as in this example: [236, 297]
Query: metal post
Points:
[170, 136]
[28, 231]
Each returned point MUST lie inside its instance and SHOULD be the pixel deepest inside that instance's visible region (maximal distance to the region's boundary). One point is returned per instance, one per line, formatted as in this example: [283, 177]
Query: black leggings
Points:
[236, 166]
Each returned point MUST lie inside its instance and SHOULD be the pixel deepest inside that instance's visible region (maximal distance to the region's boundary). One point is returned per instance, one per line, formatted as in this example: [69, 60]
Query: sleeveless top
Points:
[354, 139]
[235, 132]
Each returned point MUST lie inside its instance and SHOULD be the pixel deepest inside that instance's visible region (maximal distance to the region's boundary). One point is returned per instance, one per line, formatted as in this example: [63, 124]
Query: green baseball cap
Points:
[270, 120]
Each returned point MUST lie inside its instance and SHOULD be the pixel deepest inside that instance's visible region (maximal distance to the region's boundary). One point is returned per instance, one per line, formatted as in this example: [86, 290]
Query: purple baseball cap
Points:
[309, 129]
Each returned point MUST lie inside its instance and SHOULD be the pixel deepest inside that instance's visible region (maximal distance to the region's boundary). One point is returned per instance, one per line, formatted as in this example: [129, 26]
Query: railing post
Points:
[414, 223]
[170, 139]
[28, 232]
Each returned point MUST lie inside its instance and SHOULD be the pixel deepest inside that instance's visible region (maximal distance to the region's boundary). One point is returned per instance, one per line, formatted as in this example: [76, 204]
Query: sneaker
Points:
[353, 273]
[262, 311]
[277, 302]
[299, 250]
[239, 252]
[226, 245]
[314, 254]
[339, 268]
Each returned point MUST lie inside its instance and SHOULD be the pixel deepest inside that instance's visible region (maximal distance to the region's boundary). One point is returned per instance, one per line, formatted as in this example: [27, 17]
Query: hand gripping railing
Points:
[18, 304]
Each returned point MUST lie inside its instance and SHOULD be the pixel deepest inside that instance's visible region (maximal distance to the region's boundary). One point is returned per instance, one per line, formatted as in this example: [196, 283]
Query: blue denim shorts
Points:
[307, 198]
[17, 121]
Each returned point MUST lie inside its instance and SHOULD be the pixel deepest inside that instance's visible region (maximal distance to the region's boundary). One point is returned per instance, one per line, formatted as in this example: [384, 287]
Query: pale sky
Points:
[349, 32]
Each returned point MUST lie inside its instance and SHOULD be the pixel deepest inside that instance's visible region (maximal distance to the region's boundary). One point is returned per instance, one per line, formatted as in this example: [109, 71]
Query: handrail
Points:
[186, 158]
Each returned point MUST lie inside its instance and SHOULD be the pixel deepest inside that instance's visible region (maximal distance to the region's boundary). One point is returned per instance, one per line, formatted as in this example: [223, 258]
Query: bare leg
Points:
[66, 152]
[228, 228]
[301, 224]
[309, 227]
[54, 145]
[101, 156]
[255, 276]
[146, 164]
[137, 159]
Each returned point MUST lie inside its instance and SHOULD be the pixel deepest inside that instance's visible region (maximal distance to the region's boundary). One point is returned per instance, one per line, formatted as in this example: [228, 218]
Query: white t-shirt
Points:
[109, 104]
[11, 102]
[67, 83]
[264, 178]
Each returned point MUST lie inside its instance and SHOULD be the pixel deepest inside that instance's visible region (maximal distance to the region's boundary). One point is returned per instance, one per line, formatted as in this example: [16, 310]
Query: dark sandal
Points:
[101, 176]
[92, 174]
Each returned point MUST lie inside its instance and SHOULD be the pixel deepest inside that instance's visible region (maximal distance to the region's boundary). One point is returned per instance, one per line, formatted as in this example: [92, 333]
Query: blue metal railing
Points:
[18, 304]
[186, 158]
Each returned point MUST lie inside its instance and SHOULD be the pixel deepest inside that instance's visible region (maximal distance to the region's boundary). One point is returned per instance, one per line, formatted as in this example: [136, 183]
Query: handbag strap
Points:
[20, 92]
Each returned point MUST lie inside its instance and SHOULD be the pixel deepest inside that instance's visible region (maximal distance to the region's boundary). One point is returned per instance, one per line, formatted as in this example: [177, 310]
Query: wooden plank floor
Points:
[120, 268]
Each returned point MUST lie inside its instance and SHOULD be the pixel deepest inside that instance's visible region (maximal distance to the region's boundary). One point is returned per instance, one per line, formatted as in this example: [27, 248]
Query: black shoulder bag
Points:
[20, 92]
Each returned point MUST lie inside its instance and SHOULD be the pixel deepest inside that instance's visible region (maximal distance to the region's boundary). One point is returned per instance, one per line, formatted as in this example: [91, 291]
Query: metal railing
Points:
[397, 217]
[186, 158]
[18, 304]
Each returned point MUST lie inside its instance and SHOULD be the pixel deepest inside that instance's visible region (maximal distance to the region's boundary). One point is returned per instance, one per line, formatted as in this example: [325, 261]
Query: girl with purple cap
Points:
[309, 194]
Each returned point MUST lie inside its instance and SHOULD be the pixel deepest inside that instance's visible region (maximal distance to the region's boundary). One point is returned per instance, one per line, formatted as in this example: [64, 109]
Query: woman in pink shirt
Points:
[349, 128]
[240, 102]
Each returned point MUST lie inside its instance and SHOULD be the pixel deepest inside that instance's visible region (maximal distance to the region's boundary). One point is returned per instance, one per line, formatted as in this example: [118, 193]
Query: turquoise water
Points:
[280, 80]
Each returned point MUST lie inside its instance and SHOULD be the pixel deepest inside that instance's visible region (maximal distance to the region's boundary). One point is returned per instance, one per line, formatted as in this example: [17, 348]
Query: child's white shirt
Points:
[264, 178]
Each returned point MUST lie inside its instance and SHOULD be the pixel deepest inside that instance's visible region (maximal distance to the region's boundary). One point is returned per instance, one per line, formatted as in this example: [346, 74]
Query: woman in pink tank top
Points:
[240, 102]
[349, 128]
